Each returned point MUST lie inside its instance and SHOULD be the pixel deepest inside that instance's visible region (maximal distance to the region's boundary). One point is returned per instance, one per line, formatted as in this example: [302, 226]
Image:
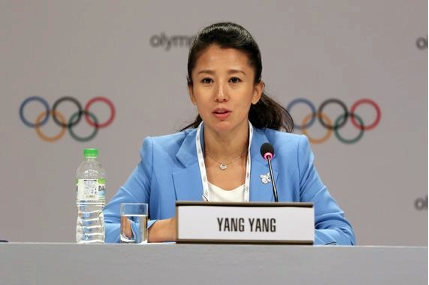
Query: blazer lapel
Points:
[187, 181]
[187, 184]
[260, 189]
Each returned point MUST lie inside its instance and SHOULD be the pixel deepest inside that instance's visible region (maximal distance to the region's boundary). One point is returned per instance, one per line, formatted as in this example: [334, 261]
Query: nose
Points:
[221, 94]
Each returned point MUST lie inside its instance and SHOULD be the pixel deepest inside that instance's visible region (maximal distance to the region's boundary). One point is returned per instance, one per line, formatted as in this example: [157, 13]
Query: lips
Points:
[221, 113]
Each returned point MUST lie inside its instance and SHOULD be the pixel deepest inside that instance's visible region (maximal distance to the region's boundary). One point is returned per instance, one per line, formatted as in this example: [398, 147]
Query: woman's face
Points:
[223, 88]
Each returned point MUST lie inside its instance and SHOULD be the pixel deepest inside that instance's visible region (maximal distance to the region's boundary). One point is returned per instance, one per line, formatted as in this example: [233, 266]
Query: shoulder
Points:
[167, 143]
[282, 139]
[285, 144]
[171, 141]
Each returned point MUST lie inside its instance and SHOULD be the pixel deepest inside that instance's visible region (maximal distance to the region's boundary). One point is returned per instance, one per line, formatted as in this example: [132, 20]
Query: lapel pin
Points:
[265, 178]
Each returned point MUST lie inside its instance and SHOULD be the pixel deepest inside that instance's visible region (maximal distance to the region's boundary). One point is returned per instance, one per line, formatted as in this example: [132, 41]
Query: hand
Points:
[163, 230]
[173, 225]
[126, 227]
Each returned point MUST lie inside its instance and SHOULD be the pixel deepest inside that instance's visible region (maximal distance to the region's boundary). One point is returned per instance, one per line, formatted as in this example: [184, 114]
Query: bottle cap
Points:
[90, 152]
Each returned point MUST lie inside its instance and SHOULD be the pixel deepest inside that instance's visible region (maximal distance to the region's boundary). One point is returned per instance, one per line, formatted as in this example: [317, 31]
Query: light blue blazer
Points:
[169, 171]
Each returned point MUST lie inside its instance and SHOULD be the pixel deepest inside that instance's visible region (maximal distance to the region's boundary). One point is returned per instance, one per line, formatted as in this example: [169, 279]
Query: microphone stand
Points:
[276, 198]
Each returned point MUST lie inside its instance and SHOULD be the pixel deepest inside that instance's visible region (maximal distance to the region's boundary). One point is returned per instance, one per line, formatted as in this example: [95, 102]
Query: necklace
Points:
[224, 166]
[202, 166]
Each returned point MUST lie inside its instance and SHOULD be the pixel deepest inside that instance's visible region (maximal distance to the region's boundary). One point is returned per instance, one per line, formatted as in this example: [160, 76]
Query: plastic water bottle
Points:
[91, 198]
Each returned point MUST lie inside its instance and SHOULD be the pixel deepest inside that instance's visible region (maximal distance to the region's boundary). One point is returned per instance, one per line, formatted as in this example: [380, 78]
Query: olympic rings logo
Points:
[339, 122]
[61, 121]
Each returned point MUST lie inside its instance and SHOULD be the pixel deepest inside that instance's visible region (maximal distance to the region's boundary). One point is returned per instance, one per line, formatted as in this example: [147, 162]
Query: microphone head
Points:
[267, 151]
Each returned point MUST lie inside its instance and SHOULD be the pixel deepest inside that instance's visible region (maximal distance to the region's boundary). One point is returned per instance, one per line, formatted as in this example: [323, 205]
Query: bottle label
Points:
[91, 190]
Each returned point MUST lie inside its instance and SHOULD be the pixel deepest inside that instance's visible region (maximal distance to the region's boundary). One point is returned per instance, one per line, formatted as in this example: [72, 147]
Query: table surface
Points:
[68, 263]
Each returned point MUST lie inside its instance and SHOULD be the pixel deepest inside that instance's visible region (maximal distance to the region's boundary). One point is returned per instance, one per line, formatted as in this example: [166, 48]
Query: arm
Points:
[163, 230]
[112, 210]
[135, 189]
[331, 226]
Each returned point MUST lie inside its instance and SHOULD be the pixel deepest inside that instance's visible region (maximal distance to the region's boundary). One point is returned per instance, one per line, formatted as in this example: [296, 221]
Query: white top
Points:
[204, 180]
[218, 194]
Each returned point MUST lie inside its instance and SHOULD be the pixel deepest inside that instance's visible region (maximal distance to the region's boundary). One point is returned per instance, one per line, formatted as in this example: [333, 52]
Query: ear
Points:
[258, 89]
[191, 94]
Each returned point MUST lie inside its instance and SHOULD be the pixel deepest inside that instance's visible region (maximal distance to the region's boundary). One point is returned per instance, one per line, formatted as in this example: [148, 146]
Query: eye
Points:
[235, 80]
[206, 80]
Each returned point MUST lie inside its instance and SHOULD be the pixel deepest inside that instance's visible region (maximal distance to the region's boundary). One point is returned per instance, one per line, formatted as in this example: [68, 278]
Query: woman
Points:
[217, 157]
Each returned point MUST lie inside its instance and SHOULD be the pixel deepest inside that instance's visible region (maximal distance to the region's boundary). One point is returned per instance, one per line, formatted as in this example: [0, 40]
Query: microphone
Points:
[267, 152]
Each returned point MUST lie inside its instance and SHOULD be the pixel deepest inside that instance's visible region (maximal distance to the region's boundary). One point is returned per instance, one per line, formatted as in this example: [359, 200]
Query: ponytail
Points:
[267, 113]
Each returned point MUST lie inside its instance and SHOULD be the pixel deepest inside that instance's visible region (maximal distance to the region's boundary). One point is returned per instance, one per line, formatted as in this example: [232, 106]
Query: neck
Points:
[225, 146]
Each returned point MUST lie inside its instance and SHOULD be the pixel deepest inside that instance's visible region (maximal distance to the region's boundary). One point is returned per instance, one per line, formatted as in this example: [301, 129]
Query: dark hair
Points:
[267, 113]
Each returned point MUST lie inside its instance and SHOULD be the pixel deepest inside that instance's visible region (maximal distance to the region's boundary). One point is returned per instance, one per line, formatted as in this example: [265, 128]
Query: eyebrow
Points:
[231, 71]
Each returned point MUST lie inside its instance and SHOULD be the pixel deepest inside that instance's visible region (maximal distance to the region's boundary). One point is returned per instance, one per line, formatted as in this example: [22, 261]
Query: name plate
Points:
[218, 222]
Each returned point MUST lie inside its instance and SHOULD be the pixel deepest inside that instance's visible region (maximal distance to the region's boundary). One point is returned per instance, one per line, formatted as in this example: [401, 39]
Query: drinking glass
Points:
[134, 222]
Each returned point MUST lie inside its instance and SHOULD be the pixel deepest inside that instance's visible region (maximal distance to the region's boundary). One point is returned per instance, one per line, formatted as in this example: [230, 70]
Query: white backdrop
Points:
[317, 50]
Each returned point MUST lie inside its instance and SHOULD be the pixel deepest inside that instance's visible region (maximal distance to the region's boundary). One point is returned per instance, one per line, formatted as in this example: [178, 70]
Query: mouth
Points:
[221, 113]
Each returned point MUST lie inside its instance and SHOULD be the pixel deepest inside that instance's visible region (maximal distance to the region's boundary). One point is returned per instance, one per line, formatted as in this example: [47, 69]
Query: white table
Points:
[62, 263]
